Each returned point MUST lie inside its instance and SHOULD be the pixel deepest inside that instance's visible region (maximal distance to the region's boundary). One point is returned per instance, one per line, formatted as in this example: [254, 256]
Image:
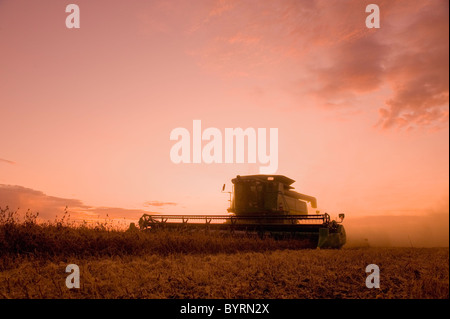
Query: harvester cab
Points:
[268, 195]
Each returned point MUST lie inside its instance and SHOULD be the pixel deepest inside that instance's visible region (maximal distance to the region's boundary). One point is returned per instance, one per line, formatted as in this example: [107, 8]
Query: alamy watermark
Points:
[73, 280]
[373, 280]
[226, 147]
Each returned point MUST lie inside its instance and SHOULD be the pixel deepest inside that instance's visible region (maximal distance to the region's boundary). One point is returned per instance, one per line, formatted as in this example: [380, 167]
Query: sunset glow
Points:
[362, 114]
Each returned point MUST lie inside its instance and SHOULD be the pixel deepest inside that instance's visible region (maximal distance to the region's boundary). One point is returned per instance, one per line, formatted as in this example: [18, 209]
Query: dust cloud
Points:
[431, 230]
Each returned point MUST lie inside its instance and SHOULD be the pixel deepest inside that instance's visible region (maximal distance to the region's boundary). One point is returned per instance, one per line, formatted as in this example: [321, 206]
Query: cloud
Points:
[7, 161]
[419, 71]
[408, 55]
[159, 204]
[324, 50]
[359, 69]
[22, 198]
[25, 198]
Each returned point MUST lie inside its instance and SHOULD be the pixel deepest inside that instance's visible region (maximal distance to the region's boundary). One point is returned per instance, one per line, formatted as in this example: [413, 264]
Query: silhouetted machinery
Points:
[264, 205]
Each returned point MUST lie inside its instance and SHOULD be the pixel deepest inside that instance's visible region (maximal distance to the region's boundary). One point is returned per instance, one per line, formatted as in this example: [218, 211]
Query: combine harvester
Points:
[265, 205]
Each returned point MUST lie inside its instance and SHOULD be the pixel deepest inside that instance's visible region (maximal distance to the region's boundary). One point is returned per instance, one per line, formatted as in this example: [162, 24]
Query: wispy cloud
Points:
[2, 160]
[159, 204]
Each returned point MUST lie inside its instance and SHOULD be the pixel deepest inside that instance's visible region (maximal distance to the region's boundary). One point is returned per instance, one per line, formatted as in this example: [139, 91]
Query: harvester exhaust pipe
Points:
[308, 198]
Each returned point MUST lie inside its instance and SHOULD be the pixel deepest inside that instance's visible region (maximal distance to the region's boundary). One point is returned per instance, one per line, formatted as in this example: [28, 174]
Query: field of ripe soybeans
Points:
[124, 264]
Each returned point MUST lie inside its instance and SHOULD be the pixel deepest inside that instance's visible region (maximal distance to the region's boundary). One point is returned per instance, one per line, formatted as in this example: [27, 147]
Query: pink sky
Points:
[86, 114]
